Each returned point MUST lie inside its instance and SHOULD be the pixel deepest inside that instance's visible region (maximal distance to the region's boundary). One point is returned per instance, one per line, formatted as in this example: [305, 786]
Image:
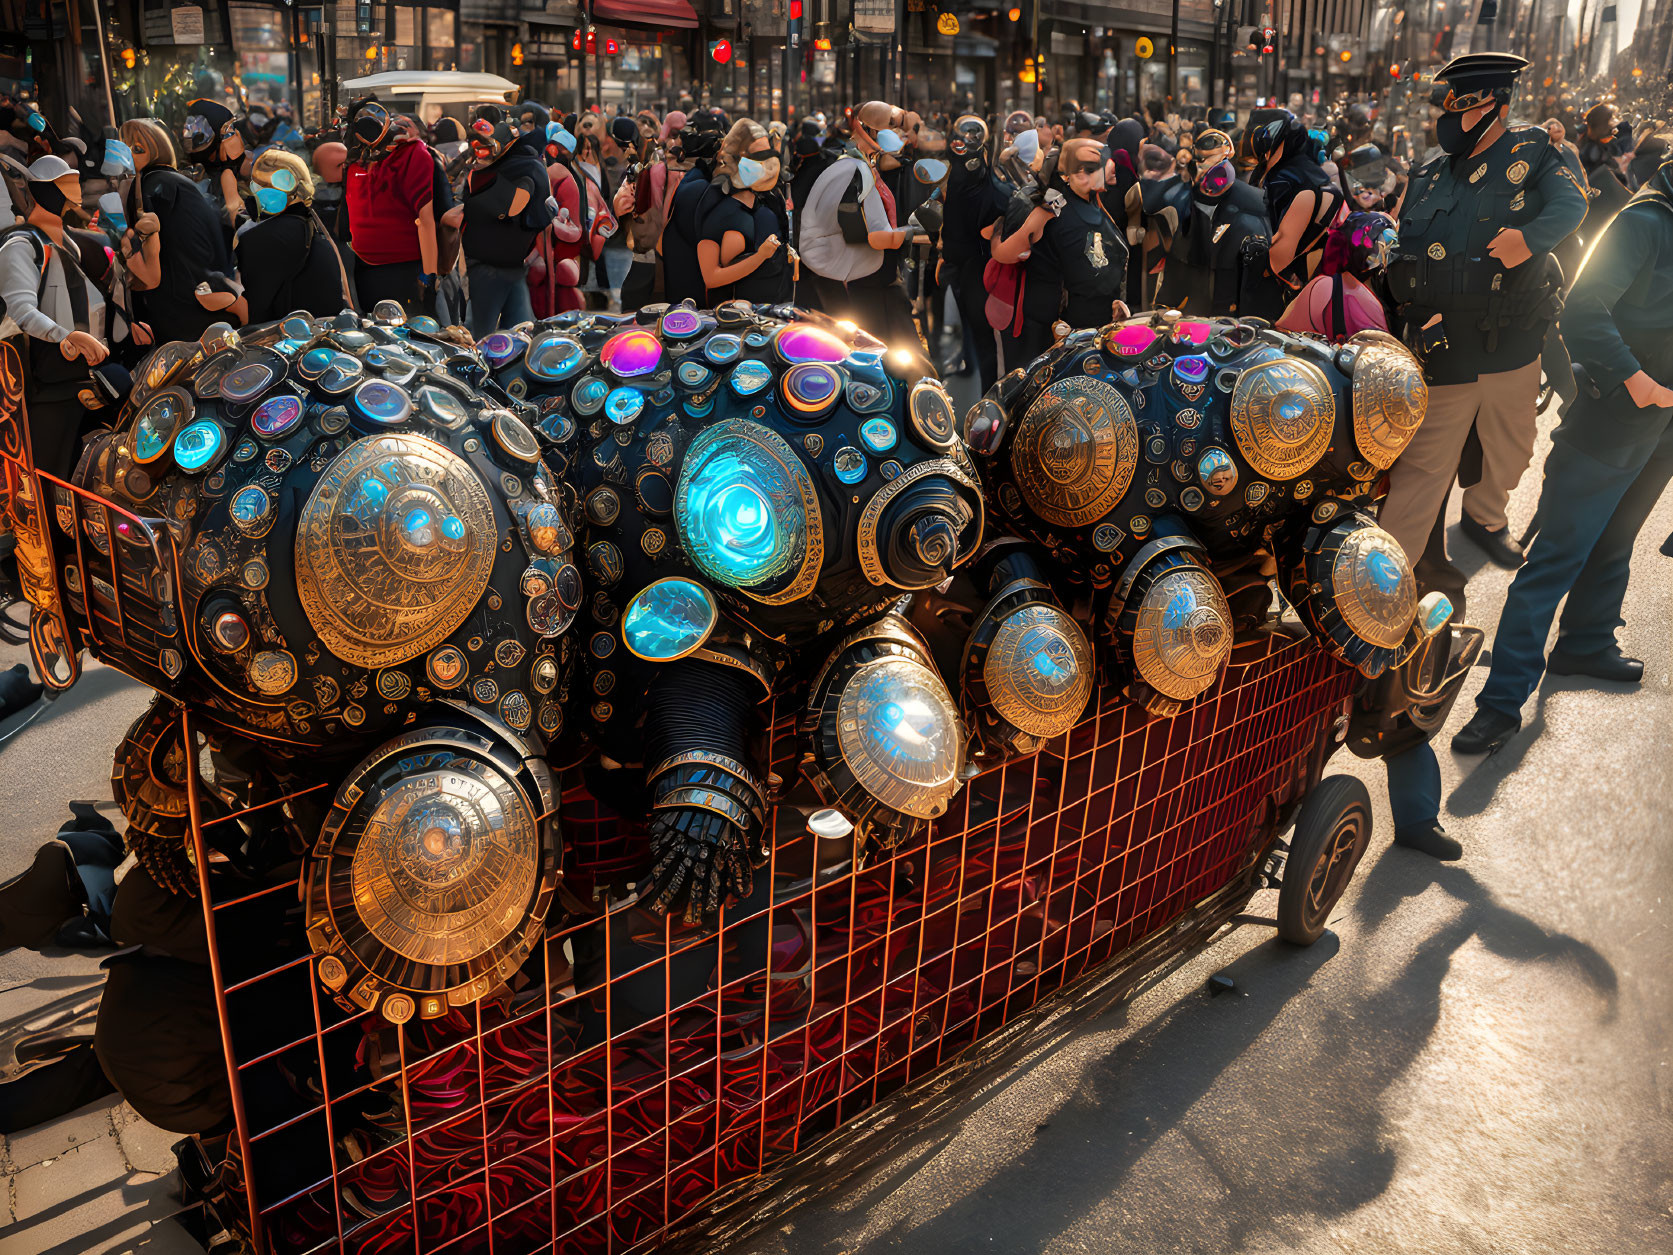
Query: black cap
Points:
[1477, 77]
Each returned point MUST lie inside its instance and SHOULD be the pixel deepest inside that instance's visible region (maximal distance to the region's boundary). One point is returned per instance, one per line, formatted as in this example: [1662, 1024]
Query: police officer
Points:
[975, 202]
[1475, 287]
[1204, 223]
[1610, 459]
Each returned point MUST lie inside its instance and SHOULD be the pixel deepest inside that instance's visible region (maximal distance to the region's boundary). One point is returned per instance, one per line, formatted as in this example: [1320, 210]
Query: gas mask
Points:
[758, 175]
[369, 132]
[275, 197]
[1216, 179]
[969, 142]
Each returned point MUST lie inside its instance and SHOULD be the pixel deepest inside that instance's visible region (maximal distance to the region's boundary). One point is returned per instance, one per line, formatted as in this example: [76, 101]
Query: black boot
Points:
[1485, 732]
[1430, 839]
[36, 901]
[1500, 547]
[1606, 664]
[17, 690]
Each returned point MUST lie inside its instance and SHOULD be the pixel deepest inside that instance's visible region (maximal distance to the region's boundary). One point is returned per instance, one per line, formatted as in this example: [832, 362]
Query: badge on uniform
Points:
[1437, 250]
[1221, 230]
[1518, 171]
[1095, 251]
[1477, 174]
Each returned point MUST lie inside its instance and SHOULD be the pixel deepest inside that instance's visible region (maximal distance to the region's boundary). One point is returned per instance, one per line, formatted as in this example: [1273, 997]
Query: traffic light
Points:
[793, 26]
[516, 54]
[720, 51]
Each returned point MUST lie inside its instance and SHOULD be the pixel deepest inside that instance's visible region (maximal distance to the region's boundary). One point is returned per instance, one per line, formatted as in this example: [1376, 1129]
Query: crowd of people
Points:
[1463, 242]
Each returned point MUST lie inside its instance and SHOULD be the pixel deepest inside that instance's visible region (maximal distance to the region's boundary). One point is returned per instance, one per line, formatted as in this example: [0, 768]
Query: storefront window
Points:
[440, 39]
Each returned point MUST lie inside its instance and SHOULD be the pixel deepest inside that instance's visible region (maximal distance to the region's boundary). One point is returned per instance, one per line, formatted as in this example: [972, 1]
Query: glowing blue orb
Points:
[669, 619]
[554, 357]
[739, 505]
[623, 405]
[878, 434]
[1383, 571]
[748, 378]
[198, 445]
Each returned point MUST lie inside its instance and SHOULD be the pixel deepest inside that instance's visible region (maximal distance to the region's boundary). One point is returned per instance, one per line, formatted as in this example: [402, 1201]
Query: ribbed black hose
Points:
[694, 705]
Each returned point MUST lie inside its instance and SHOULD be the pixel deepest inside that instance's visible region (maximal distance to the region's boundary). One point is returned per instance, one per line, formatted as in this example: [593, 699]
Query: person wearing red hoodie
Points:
[555, 264]
[389, 191]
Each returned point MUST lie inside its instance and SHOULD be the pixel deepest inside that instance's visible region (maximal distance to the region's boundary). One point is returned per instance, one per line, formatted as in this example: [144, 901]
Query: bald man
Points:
[330, 158]
[851, 233]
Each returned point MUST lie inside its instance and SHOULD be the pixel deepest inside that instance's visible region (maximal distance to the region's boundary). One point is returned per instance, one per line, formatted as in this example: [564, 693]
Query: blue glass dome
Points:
[623, 405]
[669, 619]
[198, 445]
[742, 504]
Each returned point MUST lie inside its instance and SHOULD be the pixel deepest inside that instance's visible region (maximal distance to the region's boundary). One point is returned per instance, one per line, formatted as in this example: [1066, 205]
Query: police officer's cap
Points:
[1477, 78]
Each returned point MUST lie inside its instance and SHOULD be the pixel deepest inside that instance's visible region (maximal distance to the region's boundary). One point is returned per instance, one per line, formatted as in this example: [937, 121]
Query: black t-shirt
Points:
[193, 241]
[287, 264]
[681, 276]
[492, 234]
[721, 213]
[974, 199]
[771, 281]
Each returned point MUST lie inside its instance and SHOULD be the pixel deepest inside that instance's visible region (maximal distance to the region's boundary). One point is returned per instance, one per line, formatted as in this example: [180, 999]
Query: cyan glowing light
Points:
[374, 492]
[1049, 669]
[149, 442]
[738, 511]
[588, 396]
[382, 402]
[750, 377]
[623, 405]
[277, 415]
[314, 362]
[553, 358]
[1383, 571]
[629, 354]
[453, 527]
[804, 342]
[908, 728]
[198, 445]
[250, 504]
[288, 346]
[419, 527]
[669, 619]
[1191, 369]
[878, 434]
[297, 326]
[1176, 616]
[1436, 614]
[1133, 340]
[723, 348]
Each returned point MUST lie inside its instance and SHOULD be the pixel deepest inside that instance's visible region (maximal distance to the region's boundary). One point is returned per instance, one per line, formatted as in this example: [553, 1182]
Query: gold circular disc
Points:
[393, 549]
[1183, 633]
[1282, 415]
[1076, 450]
[1374, 588]
[1038, 671]
[1389, 397]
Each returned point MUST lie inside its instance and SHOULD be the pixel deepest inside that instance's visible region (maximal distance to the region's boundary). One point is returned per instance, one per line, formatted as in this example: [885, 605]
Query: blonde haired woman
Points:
[175, 241]
[741, 221]
[287, 260]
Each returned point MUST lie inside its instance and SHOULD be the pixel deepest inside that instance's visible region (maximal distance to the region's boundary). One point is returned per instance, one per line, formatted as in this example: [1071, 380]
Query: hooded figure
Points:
[214, 141]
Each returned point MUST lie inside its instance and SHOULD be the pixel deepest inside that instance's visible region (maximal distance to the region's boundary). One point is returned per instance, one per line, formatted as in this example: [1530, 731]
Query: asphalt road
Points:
[1476, 1058]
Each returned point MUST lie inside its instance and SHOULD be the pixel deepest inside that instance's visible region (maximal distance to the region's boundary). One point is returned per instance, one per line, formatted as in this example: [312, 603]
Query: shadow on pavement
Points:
[1257, 1171]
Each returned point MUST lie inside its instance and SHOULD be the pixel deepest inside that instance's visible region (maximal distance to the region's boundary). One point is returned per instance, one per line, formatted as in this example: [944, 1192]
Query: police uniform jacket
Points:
[1619, 318]
[1208, 270]
[1494, 319]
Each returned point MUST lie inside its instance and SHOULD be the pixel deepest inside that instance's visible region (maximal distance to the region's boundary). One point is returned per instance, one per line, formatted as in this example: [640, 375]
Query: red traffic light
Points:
[795, 10]
[721, 50]
[611, 47]
[592, 41]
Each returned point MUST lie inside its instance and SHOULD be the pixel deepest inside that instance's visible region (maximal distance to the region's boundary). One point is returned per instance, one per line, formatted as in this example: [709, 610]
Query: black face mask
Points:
[1455, 140]
[49, 197]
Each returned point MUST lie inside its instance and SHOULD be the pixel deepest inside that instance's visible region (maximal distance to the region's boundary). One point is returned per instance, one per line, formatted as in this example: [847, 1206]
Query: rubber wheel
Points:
[1331, 834]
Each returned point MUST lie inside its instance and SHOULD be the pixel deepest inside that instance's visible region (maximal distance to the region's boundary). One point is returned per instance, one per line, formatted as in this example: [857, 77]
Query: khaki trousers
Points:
[1502, 408]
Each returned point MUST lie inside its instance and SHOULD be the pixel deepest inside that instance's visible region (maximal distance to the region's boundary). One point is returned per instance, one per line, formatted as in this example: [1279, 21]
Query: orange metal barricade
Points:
[643, 1066]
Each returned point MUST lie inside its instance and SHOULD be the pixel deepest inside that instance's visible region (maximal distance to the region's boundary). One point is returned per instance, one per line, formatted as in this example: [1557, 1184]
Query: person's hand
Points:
[147, 225]
[453, 217]
[1647, 393]
[769, 246]
[1119, 310]
[87, 348]
[141, 333]
[1509, 248]
[622, 202]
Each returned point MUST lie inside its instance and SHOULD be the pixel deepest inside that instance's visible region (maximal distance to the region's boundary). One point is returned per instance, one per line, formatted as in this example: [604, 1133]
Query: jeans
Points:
[499, 295]
[1414, 786]
[1608, 464]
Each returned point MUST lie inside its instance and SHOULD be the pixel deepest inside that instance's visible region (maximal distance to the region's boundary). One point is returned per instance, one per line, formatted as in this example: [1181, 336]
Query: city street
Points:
[1476, 1058]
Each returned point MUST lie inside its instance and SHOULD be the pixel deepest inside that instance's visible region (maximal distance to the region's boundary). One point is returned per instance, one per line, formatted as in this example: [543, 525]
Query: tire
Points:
[1331, 834]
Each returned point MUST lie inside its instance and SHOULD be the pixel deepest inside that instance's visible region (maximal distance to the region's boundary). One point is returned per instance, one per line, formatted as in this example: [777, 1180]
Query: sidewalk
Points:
[101, 1180]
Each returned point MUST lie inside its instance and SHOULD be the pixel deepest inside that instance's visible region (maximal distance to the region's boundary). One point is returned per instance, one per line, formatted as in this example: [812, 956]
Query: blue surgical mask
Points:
[750, 171]
[890, 141]
[272, 200]
[118, 160]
